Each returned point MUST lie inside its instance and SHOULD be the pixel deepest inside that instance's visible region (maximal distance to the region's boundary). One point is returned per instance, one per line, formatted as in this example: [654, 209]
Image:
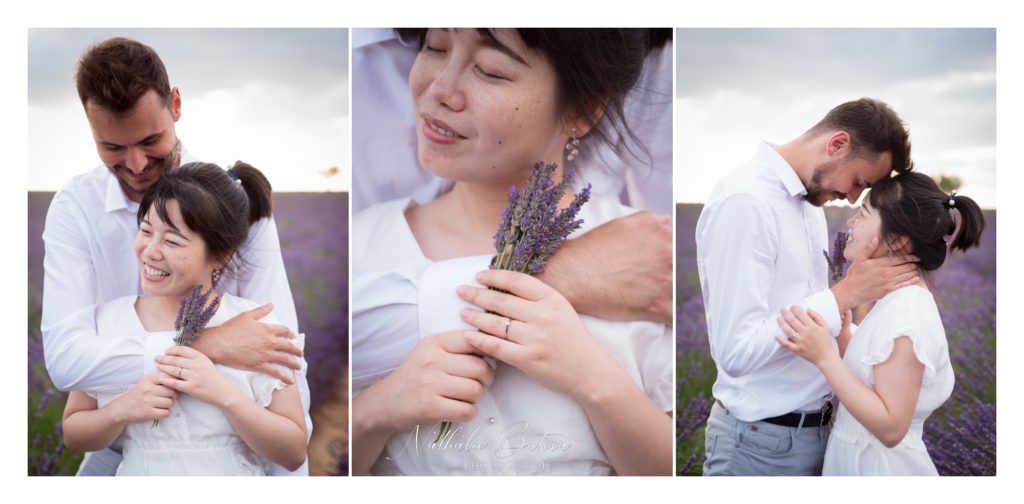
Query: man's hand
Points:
[621, 270]
[246, 343]
[869, 279]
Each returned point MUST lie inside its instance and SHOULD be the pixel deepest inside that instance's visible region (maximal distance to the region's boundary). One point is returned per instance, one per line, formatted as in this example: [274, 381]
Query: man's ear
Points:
[175, 104]
[838, 144]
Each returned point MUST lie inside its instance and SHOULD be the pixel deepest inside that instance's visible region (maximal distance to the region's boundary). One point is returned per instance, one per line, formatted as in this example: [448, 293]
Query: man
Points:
[759, 249]
[90, 231]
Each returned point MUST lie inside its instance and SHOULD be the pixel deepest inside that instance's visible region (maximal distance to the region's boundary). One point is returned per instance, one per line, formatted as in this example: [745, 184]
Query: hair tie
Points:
[234, 176]
[954, 213]
[951, 201]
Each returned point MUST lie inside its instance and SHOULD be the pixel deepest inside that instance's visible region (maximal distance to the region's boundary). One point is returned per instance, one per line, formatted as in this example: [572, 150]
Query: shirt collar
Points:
[116, 199]
[785, 173]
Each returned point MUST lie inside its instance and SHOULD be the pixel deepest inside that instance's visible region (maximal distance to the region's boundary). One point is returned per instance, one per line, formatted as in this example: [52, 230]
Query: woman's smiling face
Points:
[171, 257]
[485, 110]
[864, 225]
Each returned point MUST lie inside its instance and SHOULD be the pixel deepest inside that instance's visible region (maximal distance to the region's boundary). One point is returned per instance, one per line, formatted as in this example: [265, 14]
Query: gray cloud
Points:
[312, 62]
[770, 60]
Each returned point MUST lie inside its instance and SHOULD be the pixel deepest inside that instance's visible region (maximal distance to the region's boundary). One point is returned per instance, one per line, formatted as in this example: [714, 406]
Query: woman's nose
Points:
[447, 88]
[152, 250]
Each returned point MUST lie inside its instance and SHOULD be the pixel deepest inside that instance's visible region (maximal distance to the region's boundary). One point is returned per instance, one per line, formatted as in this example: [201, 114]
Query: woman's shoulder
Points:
[232, 305]
[909, 311]
[380, 213]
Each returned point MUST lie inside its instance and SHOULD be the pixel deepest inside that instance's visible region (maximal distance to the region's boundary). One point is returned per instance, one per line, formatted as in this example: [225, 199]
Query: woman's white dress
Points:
[521, 427]
[911, 312]
[196, 439]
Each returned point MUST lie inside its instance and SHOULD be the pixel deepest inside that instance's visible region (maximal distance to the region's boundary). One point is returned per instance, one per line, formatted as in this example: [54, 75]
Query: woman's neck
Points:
[462, 222]
[157, 313]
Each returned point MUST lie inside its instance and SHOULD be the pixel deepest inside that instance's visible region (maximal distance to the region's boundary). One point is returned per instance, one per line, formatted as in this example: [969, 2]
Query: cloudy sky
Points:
[736, 87]
[276, 98]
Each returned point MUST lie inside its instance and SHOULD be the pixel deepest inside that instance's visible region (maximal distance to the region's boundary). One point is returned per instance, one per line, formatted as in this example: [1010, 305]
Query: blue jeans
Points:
[100, 463]
[733, 447]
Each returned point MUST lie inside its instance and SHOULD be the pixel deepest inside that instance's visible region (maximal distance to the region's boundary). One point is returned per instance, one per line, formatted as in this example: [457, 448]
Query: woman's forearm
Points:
[87, 428]
[864, 403]
[634, 433]
[369, 436]
[277, 432]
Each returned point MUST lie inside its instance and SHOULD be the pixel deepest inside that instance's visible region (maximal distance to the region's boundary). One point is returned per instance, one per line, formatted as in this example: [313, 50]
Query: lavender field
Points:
[961, 436]
[313, 228]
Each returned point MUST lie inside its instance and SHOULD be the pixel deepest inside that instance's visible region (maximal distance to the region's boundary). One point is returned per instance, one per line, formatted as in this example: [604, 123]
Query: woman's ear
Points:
[900, 246]
[583, 124]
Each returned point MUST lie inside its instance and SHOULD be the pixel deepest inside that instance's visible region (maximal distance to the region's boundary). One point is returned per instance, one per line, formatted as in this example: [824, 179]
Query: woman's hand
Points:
[148, 399]
[188, 371]
[535, 329]
[439, 380]
[807, 334]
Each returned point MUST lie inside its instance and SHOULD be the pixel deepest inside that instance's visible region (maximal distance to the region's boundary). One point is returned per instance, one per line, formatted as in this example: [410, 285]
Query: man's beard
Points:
[816, 194]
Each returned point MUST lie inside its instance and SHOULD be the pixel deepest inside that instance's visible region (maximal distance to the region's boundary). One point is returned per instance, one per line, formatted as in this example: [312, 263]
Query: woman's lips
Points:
[438, 131]
[153, 274]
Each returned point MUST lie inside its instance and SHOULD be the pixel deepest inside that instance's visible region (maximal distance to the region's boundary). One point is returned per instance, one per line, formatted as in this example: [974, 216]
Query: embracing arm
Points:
[620, 270]
[76, 358]
[887, 410]
[737, 245]
[278, 431]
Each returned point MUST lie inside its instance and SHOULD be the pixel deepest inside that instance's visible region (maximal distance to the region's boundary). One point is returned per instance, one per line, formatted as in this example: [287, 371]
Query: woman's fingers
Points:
[173, 361]
[183, 351]
[498, 302]
[520, 284]
[175, 373]
[817, 318]
[792, 320]
[801, 315]
[503, 350]
[787, 330]
[495, 325]
[462, 389]
[469, 366]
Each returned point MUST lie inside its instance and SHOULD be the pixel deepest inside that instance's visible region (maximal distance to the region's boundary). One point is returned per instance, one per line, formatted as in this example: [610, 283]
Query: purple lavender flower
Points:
[532, 227]
[836, 261]
[194, 312]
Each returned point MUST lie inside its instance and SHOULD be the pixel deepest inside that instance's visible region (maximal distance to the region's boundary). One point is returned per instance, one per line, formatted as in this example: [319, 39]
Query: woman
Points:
[212, 419]
[894, 371]
[568, 394]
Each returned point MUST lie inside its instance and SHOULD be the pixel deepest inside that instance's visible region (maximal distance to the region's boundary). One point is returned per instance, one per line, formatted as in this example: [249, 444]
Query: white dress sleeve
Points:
[905, 315]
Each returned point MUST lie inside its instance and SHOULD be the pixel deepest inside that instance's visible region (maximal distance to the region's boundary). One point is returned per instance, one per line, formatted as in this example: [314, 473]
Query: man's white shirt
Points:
[90, 258]
[759, 249]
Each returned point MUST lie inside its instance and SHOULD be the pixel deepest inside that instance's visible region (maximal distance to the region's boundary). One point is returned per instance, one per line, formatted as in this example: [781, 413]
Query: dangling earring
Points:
[572, 146]
[215, 277]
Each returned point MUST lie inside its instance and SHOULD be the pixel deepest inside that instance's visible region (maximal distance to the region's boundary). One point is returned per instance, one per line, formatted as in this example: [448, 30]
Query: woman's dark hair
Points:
[218, 205]
[911, 204]
[595, 67]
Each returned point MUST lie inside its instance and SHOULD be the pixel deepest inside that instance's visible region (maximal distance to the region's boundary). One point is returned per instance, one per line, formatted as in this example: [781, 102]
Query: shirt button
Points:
[177, 415]
[491, 420]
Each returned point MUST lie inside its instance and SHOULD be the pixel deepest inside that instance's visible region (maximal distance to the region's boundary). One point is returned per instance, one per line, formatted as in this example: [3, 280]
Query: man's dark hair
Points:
[874, 128]
[115, 73]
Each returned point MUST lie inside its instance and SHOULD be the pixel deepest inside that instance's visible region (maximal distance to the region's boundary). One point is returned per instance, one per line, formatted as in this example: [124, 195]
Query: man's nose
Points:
[136, 160]
[854, 195]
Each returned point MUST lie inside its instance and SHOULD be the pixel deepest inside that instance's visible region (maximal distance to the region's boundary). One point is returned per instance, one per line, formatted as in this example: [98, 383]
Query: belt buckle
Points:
[826, 413]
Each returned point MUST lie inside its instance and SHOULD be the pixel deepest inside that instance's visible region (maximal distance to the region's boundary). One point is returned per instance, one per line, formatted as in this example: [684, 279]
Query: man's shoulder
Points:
[88, 185]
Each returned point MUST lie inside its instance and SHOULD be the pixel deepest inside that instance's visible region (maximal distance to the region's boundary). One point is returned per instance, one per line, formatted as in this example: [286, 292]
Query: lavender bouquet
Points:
[194, 312]
[532, 227]
[836, 261]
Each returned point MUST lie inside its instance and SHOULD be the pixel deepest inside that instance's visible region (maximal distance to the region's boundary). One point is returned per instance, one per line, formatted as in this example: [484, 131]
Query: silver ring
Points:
[508, 322]
[179, 373]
